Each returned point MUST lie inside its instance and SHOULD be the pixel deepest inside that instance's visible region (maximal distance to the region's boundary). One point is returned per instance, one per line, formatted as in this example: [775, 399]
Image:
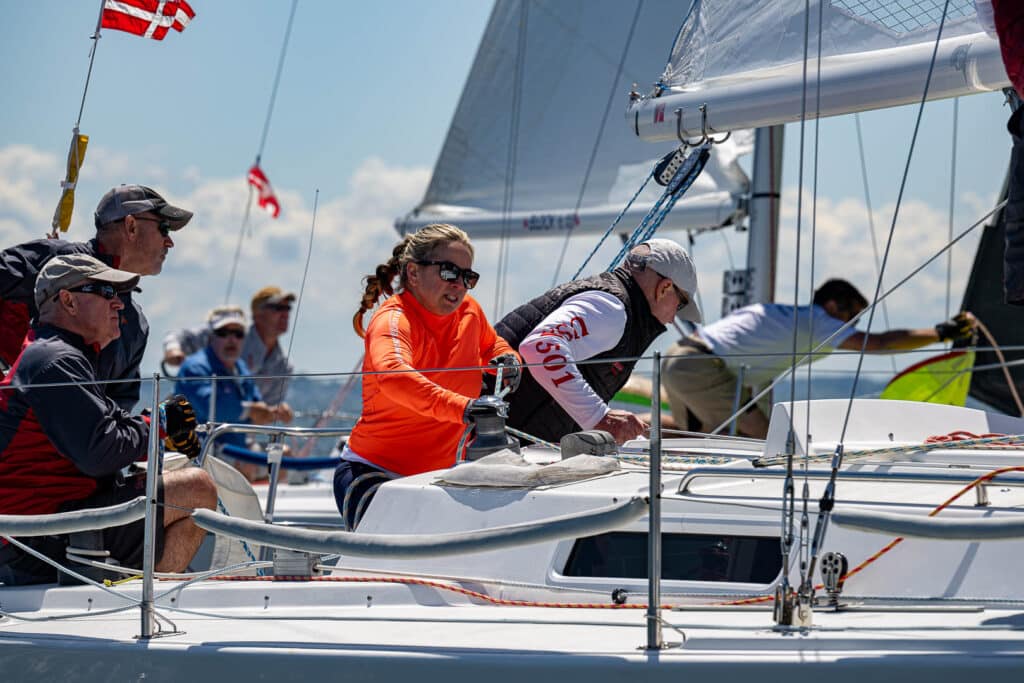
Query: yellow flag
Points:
[76, 155]
[943, 379]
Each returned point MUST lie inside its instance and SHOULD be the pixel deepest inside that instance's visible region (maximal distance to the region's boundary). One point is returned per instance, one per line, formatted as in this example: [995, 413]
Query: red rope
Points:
[442, 586]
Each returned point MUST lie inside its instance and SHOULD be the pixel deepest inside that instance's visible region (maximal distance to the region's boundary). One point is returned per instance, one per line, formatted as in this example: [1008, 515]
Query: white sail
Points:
[492, 181]
[744, 61]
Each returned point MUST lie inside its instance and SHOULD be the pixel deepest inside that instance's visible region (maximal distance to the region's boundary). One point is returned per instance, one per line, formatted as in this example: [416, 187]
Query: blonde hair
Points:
[415, 247]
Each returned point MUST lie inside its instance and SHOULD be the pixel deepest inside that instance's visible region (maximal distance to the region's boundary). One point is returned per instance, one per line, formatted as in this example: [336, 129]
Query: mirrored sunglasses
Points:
[450, 272]
[108, 292]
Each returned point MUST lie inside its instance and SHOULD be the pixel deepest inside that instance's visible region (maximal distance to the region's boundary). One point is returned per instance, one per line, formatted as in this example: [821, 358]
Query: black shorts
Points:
[124, 543]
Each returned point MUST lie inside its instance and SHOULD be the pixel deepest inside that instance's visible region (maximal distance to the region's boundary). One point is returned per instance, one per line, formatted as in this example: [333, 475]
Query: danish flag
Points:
[147, 18]
[266, 198]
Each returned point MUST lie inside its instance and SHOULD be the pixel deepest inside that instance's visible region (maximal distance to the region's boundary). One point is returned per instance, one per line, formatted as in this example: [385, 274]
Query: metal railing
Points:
[951, 478]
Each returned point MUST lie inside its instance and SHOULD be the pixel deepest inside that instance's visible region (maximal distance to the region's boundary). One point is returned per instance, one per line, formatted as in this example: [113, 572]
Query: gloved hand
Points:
[180, 425]
[512, 370]
[960, 326]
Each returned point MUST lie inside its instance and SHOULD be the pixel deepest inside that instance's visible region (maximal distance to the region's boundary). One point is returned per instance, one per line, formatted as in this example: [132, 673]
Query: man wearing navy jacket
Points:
[63, 445]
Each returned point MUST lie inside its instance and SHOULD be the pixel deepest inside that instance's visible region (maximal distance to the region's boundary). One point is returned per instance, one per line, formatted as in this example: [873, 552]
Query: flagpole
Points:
[67, 184]
[263, 142]
[92, 57]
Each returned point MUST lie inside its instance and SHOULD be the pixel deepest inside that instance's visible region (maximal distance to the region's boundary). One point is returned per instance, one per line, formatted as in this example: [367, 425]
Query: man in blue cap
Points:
[133, 226]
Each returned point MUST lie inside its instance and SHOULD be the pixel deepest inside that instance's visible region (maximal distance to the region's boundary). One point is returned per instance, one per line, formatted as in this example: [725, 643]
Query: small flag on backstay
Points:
[266, 199]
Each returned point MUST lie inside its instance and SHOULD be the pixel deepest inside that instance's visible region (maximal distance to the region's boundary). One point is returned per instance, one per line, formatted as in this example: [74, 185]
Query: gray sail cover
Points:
[744, 59]
[517, 153]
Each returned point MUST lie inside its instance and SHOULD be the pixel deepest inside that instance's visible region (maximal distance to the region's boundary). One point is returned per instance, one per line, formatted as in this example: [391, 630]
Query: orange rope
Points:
[961, 435]
[442, 586]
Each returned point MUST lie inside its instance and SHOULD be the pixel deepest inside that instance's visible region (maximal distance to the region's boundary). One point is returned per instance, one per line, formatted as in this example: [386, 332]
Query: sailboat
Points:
[661, 563]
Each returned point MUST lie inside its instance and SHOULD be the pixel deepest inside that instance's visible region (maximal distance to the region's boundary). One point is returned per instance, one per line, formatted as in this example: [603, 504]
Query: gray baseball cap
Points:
[128, 200]
[71, 270]
[669, 259]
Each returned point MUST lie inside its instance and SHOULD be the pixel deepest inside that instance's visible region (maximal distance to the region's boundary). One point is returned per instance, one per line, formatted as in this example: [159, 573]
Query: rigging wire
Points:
[95, 37]
[305, 273]
[828, 498]
[92, 57]
[952, 201]
[871, 219]
[788, 491]
[895, 215]
[853, 321]
[600, 135]
[510, 166]
[259, 151]
[806, 489]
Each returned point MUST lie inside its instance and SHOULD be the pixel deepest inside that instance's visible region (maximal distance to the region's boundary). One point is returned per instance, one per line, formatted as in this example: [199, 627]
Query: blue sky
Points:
[366, 97]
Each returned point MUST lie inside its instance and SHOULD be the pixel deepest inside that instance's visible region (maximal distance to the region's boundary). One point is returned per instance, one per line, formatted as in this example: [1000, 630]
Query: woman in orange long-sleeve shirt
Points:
[414, 410]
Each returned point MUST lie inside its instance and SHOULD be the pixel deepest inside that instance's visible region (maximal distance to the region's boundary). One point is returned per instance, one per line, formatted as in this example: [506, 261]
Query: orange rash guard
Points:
[412, 421]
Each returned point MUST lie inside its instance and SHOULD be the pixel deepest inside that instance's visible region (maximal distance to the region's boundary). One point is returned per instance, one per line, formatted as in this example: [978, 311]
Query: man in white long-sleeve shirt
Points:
[612, 317]
[700, 373]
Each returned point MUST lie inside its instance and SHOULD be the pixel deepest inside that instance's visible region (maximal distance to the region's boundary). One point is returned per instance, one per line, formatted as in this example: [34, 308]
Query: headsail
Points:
[744, 60]
[984, 297]
[571, 50]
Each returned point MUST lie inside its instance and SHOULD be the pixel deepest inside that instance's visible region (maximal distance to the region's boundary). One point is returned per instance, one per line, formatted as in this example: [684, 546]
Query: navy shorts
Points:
[125, 543]
[346, 473]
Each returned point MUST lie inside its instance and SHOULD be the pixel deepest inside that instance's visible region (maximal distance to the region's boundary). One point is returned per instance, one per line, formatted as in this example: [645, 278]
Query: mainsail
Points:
[743, 61]
[556, 62]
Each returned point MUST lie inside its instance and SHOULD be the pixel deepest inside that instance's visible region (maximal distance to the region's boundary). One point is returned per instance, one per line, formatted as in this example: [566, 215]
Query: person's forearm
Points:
[902, 340]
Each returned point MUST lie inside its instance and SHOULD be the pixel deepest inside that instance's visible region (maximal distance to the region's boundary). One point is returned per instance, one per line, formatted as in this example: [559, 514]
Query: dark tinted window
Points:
[685, 557]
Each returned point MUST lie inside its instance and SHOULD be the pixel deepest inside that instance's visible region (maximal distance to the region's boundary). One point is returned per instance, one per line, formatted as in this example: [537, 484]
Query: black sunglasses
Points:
[278, 307]
[684, 300]
[163, 226]
[450, 272]
[232, 332]
[108, 292]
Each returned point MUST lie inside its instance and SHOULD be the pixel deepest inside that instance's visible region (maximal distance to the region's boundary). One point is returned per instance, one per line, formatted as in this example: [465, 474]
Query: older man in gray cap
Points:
[133, 233]
[613, 316]
[63, 445]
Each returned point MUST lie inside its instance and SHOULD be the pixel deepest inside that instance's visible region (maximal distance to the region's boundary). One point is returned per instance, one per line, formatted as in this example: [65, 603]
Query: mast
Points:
[763, 240]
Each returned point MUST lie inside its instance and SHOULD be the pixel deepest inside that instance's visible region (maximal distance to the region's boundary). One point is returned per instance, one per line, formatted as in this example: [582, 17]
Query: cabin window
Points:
[685, 557]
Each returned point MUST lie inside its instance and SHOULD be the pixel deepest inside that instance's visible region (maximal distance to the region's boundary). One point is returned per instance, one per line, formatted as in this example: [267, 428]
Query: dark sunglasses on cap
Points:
[108, 292]
[450, 272]
[163, 226]
[230, 332]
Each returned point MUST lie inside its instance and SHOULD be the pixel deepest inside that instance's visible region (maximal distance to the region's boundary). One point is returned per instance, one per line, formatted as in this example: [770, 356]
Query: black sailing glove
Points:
[957, 328]
[180, 425]
[511, 371]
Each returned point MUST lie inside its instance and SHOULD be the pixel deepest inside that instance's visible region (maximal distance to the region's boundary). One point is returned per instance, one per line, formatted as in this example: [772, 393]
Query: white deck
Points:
[926, 610]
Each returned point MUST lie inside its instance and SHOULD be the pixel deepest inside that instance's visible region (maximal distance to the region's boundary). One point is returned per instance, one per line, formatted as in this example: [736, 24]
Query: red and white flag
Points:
[266, 198]
[147, 18]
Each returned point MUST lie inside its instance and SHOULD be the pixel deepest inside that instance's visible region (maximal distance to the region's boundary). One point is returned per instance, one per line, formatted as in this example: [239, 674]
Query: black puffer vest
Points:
[531, 407]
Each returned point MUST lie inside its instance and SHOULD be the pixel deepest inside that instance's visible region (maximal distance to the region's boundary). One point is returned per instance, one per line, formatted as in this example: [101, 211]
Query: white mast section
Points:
[763, 239]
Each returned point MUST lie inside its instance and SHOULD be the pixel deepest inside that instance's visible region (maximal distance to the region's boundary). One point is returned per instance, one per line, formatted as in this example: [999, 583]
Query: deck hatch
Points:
[685, 557]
